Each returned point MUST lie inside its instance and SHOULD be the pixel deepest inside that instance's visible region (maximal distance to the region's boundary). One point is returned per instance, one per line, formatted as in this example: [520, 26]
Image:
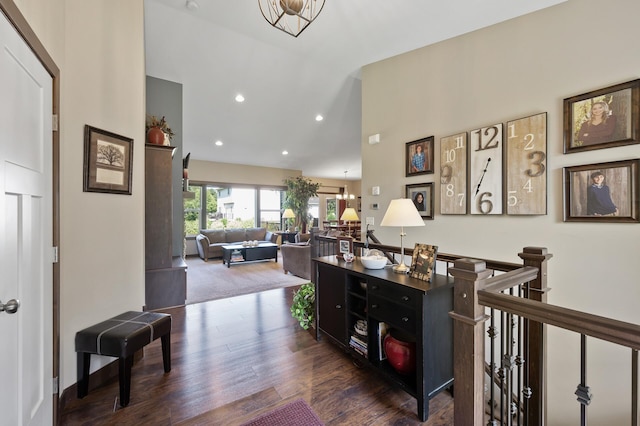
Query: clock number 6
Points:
[485, 205]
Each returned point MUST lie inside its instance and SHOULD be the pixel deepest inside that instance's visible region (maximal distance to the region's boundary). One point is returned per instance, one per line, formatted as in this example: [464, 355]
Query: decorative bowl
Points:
[373, 262]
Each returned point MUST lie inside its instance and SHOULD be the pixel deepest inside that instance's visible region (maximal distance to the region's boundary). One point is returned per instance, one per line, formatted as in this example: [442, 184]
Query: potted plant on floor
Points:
[303, 307]
[299, 190]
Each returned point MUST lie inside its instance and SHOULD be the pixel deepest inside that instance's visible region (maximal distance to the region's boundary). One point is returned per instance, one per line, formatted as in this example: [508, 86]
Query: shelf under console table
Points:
[348, 292]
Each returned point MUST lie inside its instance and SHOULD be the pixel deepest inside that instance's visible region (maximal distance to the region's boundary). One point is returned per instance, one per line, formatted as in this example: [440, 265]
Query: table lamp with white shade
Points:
[349, 214]
[402, 212]
[288, 214]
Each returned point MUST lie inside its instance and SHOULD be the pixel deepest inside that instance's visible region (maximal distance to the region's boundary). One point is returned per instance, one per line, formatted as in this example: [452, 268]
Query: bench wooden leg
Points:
[166, 352]
[82, 369]
[124, 371]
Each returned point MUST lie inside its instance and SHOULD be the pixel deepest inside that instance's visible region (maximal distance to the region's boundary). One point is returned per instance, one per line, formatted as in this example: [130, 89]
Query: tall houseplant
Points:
[299, 190]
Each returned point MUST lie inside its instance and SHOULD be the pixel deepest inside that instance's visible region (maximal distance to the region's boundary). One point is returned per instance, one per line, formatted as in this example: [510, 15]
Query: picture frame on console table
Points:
[419, 157]
[603, 192]
[425, 191]
[423, 262]
[107, 161]
[344, 245]
[603, 118]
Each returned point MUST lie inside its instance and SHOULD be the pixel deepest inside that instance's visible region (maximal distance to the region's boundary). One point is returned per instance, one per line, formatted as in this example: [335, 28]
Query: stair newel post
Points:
[468, 341]
[535, 340]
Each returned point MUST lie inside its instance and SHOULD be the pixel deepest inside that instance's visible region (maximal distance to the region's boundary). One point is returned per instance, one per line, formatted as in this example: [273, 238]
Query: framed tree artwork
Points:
[604, 192]
[419, 157]
[603, 118]
[107, 161]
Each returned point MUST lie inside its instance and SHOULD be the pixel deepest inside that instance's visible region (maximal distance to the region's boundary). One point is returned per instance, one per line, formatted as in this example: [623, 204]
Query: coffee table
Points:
[237, 253]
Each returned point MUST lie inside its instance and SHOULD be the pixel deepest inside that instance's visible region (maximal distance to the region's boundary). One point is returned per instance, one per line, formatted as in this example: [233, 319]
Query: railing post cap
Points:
[473, 265]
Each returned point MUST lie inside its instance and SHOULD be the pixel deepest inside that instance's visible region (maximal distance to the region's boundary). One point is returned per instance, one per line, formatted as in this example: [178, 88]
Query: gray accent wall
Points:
[164, 98]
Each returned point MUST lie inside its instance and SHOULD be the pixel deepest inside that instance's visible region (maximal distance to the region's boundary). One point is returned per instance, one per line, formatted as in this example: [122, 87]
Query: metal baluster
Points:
[583, 392]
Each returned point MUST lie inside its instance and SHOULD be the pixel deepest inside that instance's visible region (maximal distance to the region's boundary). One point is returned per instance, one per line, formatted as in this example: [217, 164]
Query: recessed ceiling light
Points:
[285, 152]
[219, 143]
[319, 117]
[239, 98]
[192, 5]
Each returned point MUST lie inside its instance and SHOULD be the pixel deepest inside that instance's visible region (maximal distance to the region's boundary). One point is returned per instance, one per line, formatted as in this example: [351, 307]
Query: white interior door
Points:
[25, 233]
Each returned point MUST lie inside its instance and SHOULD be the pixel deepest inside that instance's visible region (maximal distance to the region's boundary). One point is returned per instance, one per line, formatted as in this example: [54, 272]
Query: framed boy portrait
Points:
[602, 118]
[604, 192]
[422, 196]
[419, 157]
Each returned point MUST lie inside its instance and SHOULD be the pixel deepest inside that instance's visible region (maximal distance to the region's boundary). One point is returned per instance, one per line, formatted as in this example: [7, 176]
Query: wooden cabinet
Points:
[165, 275]
[348, 295]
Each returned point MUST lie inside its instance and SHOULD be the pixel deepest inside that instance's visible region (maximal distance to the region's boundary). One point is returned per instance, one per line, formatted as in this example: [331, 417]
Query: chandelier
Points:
[290, 16]
[345, 192]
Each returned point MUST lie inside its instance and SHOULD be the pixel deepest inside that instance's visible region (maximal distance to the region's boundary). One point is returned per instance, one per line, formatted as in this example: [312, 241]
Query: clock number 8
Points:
[484, 205]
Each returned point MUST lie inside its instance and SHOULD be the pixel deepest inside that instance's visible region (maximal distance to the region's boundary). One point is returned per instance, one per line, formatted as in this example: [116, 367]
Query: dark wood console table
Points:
[348, 292]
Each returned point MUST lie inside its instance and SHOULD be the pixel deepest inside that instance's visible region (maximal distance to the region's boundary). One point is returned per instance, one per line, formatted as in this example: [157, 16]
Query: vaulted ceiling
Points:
[223, 48]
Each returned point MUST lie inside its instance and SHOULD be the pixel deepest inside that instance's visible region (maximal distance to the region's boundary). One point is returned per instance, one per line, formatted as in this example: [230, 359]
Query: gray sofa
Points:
[210, 241]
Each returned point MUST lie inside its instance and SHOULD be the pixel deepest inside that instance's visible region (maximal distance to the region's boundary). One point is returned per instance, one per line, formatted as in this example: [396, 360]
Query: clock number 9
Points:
[445, 174]
[485, 205]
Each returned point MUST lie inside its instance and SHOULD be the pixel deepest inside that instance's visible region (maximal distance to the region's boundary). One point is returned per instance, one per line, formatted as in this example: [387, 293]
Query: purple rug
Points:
[295, 413]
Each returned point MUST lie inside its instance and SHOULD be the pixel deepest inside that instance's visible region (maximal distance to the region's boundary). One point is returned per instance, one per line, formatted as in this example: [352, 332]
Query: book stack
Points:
[358, 339]
[236, 256]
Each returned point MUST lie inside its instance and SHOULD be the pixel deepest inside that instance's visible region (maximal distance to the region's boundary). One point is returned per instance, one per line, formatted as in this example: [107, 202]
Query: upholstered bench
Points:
[121, 337]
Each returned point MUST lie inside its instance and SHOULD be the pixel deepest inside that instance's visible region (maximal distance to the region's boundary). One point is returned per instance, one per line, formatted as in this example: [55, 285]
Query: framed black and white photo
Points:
[344, 246]
[603, 118]
[107, 161]
[422, 196]
[604, 192]
[419, 157]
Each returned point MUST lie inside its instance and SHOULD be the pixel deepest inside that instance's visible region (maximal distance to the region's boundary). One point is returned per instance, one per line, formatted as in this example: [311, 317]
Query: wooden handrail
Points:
[610, 330]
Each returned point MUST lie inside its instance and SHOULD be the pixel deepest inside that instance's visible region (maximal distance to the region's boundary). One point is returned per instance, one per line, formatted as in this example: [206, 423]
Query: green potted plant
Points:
[299, 190]
[303, 307]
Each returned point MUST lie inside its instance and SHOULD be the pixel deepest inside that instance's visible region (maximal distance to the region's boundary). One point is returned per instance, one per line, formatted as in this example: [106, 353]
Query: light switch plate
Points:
[369, 221]
[375, 190]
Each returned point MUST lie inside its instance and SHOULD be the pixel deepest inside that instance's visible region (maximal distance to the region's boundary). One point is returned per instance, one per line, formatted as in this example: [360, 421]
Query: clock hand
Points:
[482, 177]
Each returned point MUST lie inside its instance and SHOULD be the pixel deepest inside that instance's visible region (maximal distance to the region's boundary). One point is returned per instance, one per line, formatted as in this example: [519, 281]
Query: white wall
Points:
[98, 46]
[511, 70]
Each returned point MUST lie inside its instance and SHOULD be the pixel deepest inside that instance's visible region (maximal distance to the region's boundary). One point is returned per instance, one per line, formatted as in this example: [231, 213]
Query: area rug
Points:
[212, 280]
[296, 413]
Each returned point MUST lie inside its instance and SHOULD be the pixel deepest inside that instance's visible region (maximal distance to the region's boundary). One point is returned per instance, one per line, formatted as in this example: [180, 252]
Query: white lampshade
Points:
[349, 214]
[288, 214]
[402, 212]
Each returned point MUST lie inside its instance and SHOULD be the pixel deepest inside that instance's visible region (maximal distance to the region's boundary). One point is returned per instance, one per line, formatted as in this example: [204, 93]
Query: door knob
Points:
[11, 307]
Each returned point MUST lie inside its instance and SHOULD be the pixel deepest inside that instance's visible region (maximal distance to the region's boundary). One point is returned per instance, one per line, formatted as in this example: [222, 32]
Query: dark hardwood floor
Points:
[236, 358]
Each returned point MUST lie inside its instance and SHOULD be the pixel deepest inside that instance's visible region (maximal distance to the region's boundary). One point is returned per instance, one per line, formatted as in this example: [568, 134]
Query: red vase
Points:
[401, 351]
[155, 136]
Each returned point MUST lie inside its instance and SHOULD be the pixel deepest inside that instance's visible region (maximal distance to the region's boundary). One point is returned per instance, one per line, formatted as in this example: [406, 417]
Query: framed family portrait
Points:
[603, 118]
[344, 246]
[423, 261]
[422, 196]
[419, 157]
[604, 192]
[107, 161]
